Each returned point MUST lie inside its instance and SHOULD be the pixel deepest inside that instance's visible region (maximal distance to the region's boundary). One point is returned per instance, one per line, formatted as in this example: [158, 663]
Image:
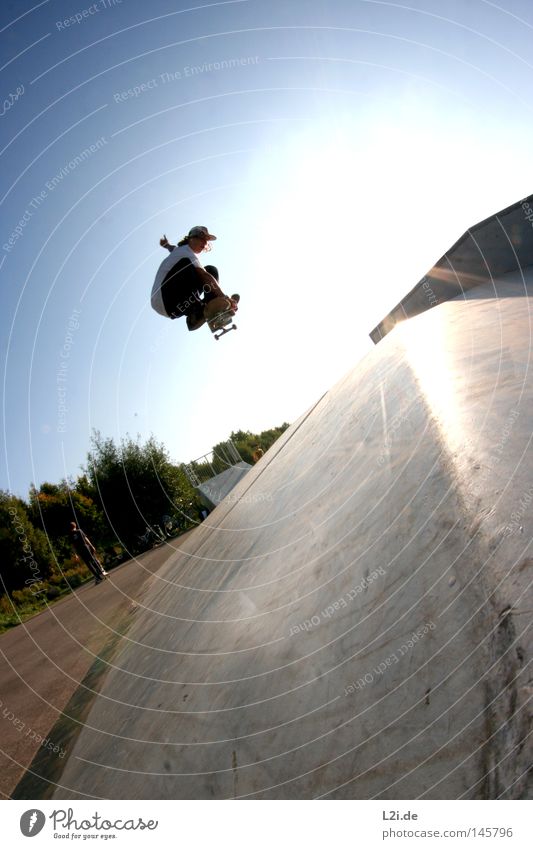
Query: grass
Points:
[21, 605]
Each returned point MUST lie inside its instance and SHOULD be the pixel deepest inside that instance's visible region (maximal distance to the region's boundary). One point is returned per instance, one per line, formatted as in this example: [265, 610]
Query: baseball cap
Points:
[202, 232]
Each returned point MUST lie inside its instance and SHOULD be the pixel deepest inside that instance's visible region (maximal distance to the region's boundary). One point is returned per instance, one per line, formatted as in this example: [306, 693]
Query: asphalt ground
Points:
[44, 661]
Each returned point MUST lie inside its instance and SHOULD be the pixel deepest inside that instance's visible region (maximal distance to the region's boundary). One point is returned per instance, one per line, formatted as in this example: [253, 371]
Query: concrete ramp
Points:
[485, 253]
[355, 621]
[214, 490]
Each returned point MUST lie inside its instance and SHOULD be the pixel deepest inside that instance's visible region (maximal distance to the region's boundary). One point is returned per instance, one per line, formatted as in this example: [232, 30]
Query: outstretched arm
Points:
[166, 244]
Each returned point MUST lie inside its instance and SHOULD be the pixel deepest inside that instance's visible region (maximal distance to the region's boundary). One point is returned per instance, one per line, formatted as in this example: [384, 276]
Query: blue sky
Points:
[337, 149]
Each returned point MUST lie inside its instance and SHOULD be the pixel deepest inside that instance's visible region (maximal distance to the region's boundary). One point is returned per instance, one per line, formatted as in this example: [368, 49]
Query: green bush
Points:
[56, 579]
[75, 579]
[6, 607]
[29, 596]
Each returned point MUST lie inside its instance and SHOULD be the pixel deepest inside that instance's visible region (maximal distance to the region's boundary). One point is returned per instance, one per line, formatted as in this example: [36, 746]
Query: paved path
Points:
[43, 661]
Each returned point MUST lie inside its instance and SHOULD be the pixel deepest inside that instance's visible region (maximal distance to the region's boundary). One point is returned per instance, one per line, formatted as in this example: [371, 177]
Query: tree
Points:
[54, 506]
[136, 484]
[246, 442]
[25, 557]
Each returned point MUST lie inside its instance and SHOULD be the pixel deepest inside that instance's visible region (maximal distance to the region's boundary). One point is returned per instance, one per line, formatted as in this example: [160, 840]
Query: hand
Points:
[164, 242]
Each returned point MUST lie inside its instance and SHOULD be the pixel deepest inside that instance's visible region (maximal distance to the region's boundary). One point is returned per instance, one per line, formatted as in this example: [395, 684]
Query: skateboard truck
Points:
[222, 322]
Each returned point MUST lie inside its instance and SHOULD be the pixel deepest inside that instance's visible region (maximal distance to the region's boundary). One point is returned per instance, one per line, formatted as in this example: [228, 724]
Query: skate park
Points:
[353, 620]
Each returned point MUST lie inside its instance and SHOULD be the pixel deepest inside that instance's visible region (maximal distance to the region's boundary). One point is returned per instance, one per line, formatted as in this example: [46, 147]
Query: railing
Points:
[208, 465]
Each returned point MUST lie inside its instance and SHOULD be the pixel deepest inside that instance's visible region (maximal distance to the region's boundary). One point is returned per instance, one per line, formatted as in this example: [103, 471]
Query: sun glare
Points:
[426, 343]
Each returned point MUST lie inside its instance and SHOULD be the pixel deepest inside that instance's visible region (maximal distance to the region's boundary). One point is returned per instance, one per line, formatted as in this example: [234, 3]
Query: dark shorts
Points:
[182, 292]
[181, 288]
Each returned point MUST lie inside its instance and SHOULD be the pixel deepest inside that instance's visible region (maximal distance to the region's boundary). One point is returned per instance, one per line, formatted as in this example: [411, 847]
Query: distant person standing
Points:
[86, 550]
[258, 453]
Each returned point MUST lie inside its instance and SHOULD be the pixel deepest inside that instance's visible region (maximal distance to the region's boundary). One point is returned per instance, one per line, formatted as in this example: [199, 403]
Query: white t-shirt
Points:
[169, 262]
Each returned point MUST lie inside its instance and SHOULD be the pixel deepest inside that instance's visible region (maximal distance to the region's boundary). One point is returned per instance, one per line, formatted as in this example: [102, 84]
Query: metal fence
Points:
[208, 465]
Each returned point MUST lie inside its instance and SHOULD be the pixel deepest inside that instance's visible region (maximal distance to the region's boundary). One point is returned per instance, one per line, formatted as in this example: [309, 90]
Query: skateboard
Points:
[222, 322]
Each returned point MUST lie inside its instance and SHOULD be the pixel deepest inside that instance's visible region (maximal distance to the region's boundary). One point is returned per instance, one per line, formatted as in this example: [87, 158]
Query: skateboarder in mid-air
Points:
[183, 287]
